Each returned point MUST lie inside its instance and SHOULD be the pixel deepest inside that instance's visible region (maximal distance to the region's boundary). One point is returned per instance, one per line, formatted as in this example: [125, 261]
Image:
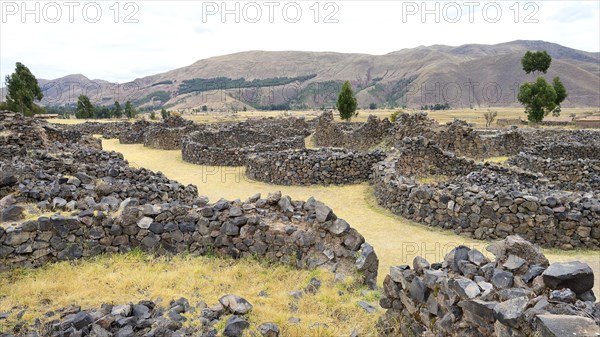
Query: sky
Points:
[124, 40]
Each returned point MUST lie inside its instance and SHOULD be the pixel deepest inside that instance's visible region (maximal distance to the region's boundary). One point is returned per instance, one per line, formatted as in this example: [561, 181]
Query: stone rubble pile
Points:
[150, 318]
[519, 294]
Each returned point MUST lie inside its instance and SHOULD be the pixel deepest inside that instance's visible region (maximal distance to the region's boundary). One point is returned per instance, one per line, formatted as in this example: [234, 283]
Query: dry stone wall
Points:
[169, 134]
[231, 145]
[312, 167]
[135, 133]
[490, 202]
[303, 234]
[572, 175]
[167, 138]
[91, 202]
[108, 130]
[457, 136]
[355, 136]
[565, 151]
[19, 135]
[467, 295]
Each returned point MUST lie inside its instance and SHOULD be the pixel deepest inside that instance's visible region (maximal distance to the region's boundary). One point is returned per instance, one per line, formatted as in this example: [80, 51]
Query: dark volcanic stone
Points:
[533, 272]
[502, 279]
[82, 320]
[564, 325]
[564, 295]
[464, 287]
[235, 326]
[510, 312]
[456, 255]
[575, 275]
[268, 330]
[12, 213]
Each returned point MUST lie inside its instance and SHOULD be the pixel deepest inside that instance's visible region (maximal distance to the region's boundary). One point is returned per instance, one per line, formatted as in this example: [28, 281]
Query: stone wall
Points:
[19, 134]
[280, 127]
[502, 142]
[158, 137]
[87, 202]
[510, 122]
[467, 295]
[199, 154]
[422, 157]
[93, 175]
[355, 136]
[553, 135]
[108, 130]
[489, 202]
[565, 151]
[312, 167]
[588, 123]
[303, 234]
[572, 175]
[230, 145]
[456, 136]
[169, 134]
[135, 133]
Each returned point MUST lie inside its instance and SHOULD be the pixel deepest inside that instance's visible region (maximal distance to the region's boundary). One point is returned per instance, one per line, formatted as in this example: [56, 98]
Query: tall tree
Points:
[561, 91]
[118, 111]
[164, 113]
[346, 103]
[129, 110]
[23, 89]
[536, 61]
[85, 109]
[540, 98]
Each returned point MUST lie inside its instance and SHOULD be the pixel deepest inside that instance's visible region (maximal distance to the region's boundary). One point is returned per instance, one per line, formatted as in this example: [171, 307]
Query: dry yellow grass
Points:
[474, 116]
[135, 276]
[496, 160]
[431, 179]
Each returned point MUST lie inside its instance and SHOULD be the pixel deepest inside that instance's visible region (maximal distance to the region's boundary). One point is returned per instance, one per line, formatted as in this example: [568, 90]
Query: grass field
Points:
[474, 116]
[120, 279]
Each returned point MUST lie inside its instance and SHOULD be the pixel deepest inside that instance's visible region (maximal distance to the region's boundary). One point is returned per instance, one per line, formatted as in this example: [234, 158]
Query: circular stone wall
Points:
[231, 147]
[311, 167]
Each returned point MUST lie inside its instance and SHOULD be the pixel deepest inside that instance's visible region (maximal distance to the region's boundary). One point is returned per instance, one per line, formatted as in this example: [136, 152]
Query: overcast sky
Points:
[130, 39]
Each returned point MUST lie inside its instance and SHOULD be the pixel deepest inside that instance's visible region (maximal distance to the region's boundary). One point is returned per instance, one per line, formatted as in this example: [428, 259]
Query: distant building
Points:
[588, 122]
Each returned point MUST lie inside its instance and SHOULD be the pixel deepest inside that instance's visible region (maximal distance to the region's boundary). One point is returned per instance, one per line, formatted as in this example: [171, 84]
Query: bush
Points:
[490, 116]
[395, 115]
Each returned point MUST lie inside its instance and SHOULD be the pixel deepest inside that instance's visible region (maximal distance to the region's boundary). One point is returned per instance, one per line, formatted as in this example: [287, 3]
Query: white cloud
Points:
[174, 34]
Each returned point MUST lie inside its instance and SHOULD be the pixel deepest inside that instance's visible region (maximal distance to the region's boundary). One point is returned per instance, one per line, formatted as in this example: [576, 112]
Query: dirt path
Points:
[396, 240]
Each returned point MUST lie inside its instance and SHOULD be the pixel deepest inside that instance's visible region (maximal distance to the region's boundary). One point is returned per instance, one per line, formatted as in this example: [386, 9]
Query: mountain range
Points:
[468, 75]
